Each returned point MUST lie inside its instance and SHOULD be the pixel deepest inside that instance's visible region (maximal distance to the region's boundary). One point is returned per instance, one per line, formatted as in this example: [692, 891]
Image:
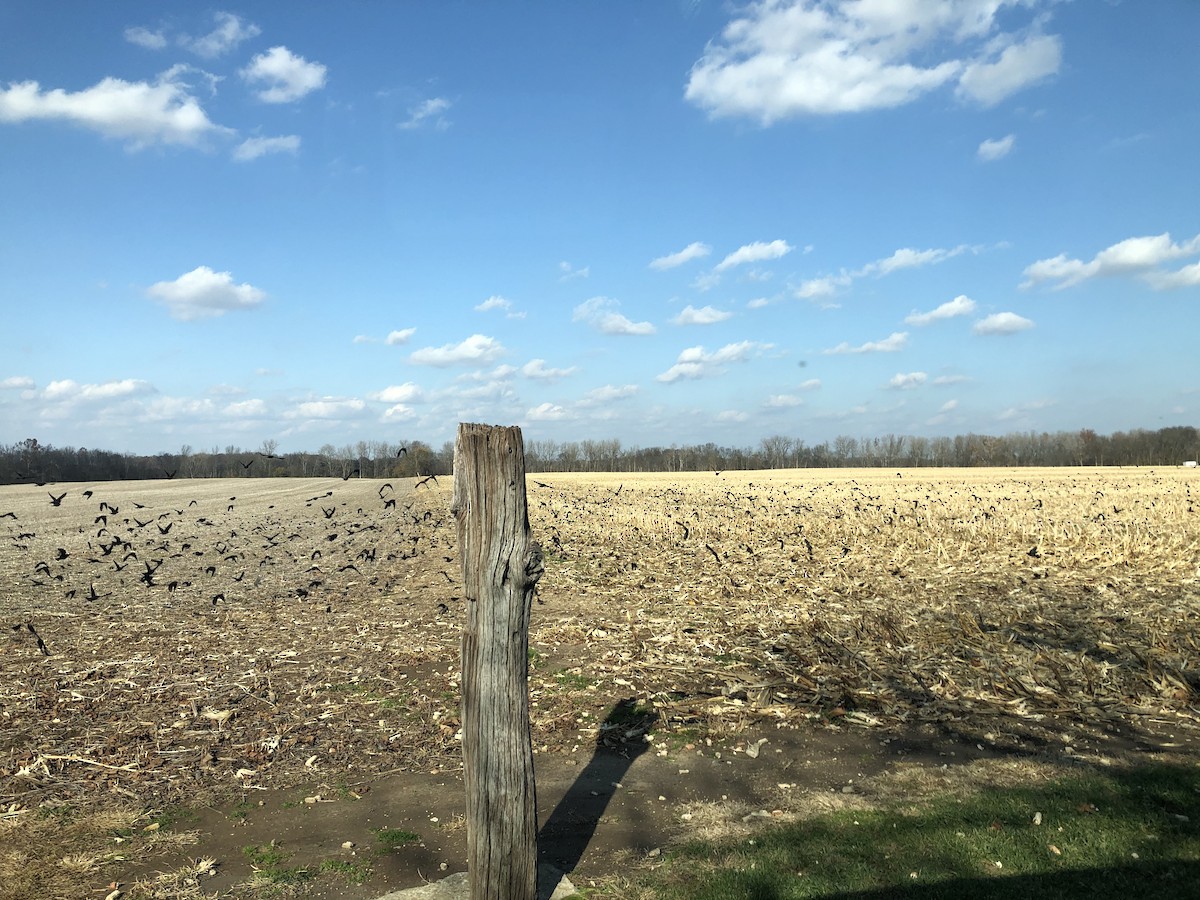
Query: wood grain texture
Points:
[500, 566]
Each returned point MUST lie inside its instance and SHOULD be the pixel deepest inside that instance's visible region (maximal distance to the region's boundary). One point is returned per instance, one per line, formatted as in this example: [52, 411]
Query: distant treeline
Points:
[32, 461]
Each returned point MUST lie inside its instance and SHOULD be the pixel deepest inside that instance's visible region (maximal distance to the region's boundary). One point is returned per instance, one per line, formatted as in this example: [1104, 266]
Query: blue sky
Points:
[665, 223]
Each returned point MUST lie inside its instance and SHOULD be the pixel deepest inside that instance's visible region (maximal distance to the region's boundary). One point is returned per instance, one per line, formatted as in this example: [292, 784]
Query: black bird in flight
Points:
[56, 501]
[87, 495]
[387, 485]
[428, 478]
[329, 512]
[403, 451]
[9, 515]
[247, 465]
[351, 475]
[170, 473]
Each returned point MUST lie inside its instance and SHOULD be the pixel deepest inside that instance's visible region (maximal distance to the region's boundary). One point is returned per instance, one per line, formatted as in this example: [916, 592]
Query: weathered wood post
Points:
[501, 566]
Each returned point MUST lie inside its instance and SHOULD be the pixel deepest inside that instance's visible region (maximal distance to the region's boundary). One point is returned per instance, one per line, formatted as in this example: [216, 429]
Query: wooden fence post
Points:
[501, 566]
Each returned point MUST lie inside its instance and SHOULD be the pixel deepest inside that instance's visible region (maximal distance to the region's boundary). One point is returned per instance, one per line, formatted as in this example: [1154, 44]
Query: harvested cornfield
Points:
[175, 640]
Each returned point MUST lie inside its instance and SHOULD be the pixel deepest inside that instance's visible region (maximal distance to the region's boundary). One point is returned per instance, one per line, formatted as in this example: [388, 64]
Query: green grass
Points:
[1123, 834]
[572, 680]
[356, 873]
[390, 839]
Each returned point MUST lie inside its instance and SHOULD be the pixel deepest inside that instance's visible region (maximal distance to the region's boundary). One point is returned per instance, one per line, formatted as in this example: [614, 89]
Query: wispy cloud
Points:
[253, 148]
[539, 371]
[474, 350]
[907, 380]
[230, 31]
[1142, 256]
[1002, 323]
[547, 412]
[904, 258]
[400, 393]
[786, 58]
[759, 251]
[400, 336]
[282, 76]
[897, 340]
[67, 389]
[696, 362]
[601, 314]
[428, 114]
[992, 150]
[567, 272]
[694, 250]
[203, 293]
[144, 37]
[609, 393]
[706, 315]
[961, 305]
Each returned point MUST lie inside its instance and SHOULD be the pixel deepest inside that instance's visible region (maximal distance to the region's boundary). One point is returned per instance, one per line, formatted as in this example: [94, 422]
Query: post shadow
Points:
[569, 829]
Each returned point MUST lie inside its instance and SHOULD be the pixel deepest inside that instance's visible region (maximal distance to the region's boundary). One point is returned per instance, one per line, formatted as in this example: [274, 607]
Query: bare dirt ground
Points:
[215, 665]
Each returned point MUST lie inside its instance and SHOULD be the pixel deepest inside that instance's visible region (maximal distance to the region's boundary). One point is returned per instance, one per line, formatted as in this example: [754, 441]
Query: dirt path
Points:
[602, 813]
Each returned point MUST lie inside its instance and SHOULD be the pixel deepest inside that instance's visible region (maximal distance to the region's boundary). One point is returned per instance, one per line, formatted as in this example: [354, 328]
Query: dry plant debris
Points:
[169, 641]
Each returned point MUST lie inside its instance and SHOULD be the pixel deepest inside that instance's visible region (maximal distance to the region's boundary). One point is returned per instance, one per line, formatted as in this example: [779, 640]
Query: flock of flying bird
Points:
[207, 552]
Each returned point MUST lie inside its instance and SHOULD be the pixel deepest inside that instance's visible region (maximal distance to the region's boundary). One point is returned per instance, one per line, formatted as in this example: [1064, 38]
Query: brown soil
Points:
[248, 644]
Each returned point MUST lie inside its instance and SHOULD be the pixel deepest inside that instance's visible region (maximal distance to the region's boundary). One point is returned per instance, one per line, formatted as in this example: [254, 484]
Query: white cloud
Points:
[493, 302]
[904, 258]
[907, 380]
[476, 349]
[601, 314]
[706, 315]
[694, 250]
[398, 413]
[67, 389]
[203, 293]
[144, 37]
[783, 401]
[230, 32]
[1136, 255]
[696, 362]
[961, 305]
[400, 393]
[609, 393]
[1002, 323]
[1015, 67]
[364, 339]
[568, 272]
[950, 379]
[948, 406]
[825, 286]
[284, 75]
[908, 258]
[328, 408]
[1188, 276]
[547, 412]
[395, 338]
[759, 251]
[536, 369]
[897, 340]
[245, 409]
[991, 150]
[784, 58]
[139, 112]
[253, 148]
[17, 382]
[428, 112]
